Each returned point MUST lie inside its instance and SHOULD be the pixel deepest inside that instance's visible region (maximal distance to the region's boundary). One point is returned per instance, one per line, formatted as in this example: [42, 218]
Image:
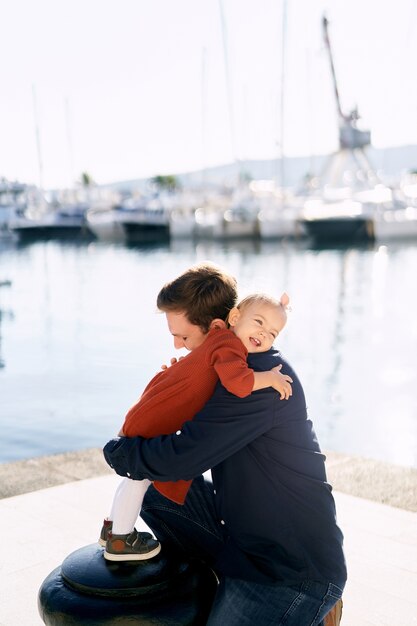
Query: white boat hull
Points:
[104, 226]
[396, 224]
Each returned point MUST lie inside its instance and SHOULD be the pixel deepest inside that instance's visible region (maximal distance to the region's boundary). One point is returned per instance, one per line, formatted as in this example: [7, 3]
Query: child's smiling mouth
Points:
[255, 342]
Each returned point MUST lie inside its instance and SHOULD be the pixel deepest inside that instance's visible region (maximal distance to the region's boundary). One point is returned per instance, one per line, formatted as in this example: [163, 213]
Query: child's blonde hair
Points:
[263, 298]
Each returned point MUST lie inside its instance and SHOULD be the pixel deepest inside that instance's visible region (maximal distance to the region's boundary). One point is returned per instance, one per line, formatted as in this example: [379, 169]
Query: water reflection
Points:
[84, 337]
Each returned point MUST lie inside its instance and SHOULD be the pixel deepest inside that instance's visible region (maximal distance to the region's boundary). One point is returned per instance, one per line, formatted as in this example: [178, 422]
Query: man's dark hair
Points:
[203, 292]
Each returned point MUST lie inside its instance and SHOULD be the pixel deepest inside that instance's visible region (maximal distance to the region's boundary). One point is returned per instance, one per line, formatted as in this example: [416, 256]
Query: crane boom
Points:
[350, 136]
[325, 24]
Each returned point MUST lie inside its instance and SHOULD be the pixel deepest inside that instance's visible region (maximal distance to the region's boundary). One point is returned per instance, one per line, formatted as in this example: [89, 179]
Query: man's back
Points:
[272, 493]
[276, 508]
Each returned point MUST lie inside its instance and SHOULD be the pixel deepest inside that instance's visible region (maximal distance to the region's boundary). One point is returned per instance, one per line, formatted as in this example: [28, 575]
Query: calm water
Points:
[80, 337]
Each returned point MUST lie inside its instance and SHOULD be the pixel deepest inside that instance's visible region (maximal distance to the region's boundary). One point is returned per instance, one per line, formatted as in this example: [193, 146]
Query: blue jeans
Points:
[193, 530]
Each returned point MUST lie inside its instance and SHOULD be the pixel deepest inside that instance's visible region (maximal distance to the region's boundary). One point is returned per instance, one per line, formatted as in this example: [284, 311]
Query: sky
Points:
[130, 89]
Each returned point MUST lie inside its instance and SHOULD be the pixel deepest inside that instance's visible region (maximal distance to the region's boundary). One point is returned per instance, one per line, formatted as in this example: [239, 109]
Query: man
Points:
[267, 523]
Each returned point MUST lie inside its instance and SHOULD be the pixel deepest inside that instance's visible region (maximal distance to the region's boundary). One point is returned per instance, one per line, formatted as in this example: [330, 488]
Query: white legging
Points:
[127, 503]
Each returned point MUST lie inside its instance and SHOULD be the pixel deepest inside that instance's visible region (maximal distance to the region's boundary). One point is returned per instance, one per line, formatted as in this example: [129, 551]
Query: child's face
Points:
[186, 335]
[258, 325]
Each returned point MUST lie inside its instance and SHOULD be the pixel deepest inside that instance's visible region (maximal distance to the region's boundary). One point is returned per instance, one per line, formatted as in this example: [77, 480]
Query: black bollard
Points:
[86, 589]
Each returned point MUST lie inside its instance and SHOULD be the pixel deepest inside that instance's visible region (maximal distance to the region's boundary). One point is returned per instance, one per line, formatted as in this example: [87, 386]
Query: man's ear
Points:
[217, 323]
[234, 315]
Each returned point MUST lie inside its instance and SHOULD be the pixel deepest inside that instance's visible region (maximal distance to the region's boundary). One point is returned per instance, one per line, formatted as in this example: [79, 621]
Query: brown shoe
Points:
[333, 618]
[133, 547]
[105, 530]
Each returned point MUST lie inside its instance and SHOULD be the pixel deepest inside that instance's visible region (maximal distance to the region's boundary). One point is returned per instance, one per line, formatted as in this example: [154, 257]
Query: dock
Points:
[45, 523]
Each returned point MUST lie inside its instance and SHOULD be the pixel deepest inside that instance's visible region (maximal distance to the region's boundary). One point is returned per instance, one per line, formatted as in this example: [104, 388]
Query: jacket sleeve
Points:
[225, 425]
[229, 361]
[233, 372]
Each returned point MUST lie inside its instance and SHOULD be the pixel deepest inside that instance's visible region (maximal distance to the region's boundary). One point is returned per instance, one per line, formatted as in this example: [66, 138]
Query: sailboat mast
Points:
[69, 143]
[228, 84]
[38, 137]
[282, 100]
[204, 115]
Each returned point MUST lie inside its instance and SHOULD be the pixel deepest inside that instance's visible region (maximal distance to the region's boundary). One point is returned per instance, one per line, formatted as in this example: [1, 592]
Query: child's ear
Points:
[233, 316]
[285, 300]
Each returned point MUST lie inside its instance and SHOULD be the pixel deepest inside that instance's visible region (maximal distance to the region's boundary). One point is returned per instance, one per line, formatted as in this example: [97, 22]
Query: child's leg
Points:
[123, 541]
[127, 504]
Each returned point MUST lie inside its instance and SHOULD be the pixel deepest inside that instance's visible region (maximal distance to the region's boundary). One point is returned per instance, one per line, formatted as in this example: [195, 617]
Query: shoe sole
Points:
[102, 542]
[132, 557]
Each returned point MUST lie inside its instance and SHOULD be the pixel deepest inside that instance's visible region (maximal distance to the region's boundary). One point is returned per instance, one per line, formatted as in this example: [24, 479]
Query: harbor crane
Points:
[352, 140]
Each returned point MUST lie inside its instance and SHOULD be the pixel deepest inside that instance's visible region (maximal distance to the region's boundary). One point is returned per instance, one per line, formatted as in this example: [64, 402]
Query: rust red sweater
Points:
[176, 394]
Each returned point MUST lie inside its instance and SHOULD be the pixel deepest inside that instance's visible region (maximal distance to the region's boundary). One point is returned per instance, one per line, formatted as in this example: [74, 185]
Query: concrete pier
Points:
[52, 506]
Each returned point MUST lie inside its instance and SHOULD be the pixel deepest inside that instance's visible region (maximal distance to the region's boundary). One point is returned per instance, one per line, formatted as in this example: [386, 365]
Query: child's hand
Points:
[281, 382]
[173, 360]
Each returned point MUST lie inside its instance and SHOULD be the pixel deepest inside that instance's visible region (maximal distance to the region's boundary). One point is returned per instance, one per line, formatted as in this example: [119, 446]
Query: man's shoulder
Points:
[263, 361]
[260, 361]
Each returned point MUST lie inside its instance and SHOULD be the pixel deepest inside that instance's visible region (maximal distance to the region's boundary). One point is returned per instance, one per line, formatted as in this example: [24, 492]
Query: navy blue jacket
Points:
[272, 495]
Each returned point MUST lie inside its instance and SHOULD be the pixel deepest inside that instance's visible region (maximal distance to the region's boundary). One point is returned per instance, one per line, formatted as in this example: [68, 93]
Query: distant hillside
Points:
[390, 163]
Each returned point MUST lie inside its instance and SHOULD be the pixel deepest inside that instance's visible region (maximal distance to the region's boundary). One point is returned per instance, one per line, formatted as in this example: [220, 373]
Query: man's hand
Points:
[281, 382]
